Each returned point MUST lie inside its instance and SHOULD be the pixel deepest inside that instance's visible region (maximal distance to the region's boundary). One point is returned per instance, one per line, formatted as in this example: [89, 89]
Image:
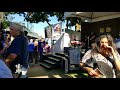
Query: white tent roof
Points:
[93, 16]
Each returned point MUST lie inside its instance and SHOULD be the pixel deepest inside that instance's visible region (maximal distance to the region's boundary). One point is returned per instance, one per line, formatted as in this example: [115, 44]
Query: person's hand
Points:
[109, 48]
[93, 73]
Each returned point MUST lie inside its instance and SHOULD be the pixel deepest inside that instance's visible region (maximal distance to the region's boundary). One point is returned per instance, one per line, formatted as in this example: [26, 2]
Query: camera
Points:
[4, 35]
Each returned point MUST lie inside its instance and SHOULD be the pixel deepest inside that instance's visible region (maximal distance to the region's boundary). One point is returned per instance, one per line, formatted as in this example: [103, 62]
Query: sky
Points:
[36, 27]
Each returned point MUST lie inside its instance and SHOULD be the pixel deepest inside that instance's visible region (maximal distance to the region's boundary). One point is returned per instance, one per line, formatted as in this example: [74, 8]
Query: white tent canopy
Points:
[93, 16]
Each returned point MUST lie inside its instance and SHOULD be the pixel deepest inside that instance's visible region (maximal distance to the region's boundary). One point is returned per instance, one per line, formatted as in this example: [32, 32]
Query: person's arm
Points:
[37, 48]
[89, 70]
[84, 66]
[7, 43]
[86, 56]
[11, 57]
[116, 57]
[13, 51]
[116, 61]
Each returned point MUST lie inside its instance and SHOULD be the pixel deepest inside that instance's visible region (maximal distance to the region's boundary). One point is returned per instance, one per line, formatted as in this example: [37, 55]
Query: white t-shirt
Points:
[5, 72]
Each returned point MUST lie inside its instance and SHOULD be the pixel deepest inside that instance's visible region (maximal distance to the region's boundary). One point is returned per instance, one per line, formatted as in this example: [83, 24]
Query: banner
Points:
[48, 32]
[58, 47]
[57, 29]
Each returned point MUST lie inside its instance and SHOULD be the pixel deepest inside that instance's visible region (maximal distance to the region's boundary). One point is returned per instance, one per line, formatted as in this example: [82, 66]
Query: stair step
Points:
[54, 59]
[48, 66]
[51, 62]
[58, 56]
[63, 55]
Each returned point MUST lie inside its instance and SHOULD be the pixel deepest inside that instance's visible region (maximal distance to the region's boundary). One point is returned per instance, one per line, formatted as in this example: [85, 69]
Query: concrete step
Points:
[54, 59]
[58, 56]
[46, 65]
[50, 62]
[63, 55]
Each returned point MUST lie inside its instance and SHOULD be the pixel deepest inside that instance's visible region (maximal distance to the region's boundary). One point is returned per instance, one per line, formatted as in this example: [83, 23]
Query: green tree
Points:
[35, 17]
[5, 24]
[6, 21]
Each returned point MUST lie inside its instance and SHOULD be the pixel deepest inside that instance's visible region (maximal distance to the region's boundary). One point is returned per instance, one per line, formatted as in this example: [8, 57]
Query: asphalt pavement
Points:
[37, 71]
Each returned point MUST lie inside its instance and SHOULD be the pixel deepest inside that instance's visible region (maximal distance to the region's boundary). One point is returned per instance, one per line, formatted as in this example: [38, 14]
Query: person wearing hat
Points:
[17, 53]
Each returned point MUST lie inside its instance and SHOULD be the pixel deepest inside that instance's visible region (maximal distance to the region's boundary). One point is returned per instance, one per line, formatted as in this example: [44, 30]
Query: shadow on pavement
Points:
[37, 71]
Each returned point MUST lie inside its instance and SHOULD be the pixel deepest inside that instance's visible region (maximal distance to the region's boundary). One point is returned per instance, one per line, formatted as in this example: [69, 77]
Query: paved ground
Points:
[37, 71]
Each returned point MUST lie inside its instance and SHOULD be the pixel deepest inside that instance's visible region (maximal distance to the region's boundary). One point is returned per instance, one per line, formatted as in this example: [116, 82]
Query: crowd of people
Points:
[102, 60]
[16, 54]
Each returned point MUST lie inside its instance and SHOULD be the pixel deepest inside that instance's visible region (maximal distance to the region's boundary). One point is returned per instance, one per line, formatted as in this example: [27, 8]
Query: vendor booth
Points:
[93, 16]
[97, 23]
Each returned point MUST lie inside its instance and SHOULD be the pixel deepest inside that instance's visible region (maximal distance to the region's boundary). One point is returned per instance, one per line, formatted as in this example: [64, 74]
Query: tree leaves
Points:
[36, 17]
[5, 24]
